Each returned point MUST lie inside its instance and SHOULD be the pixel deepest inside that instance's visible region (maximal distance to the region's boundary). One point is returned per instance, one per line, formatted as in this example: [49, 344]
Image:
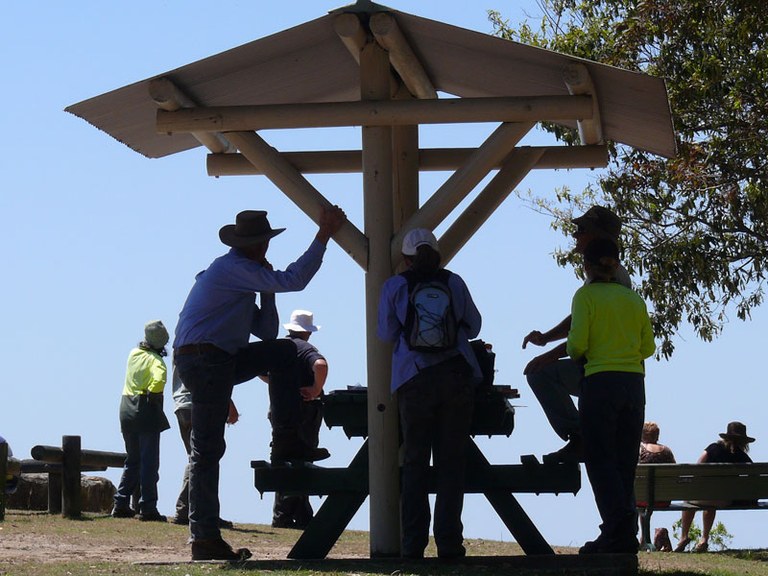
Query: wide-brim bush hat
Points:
[601, 221]
[738, 432]
[250, 227]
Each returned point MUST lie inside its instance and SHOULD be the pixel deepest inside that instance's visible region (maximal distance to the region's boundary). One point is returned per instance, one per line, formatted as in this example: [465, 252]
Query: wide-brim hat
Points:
[738, 432]
[600, 220]
[250, 227]
[301, 321]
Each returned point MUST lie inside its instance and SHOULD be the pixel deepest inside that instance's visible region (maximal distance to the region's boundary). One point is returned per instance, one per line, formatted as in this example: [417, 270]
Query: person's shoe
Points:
[297, 451]
[682, 545]
[452, 553]
[217, 549]
[181, 520]
[225, 524]
[591, 547]
[573, 452]
[120, 512]
[283, 523]
[702, 546]
[412, 555]
[153, 516]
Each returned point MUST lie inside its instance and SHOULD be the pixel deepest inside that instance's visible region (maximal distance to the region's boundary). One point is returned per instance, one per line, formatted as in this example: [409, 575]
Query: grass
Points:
[41, 545]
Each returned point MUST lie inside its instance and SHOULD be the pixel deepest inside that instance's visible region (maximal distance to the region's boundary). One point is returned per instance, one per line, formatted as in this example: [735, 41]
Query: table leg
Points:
[509, 510]
[332, 518]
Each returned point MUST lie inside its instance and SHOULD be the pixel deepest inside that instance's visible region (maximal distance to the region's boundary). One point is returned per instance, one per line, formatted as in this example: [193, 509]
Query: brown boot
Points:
[288, 447]
[217, 549]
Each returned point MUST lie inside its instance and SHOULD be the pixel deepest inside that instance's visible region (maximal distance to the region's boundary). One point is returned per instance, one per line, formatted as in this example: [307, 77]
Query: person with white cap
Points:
[552, 376]
[434, 373]
[213, 353]
[141, 421]
[295, 511]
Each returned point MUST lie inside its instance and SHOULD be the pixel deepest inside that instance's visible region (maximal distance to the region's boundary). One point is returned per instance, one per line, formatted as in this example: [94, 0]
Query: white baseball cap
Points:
[419, 237]
[301, 321]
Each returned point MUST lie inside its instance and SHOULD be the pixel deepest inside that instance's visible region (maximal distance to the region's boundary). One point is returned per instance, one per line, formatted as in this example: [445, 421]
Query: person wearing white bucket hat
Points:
[295, 511]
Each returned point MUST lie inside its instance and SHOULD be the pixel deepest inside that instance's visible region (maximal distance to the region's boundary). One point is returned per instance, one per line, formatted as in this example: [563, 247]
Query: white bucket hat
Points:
[301, 321]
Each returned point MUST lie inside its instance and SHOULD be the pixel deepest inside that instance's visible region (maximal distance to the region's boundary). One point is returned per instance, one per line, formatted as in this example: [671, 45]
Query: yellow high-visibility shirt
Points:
[146, 372]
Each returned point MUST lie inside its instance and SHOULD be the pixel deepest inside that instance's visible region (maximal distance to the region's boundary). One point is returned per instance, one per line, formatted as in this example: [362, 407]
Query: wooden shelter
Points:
[388, 72]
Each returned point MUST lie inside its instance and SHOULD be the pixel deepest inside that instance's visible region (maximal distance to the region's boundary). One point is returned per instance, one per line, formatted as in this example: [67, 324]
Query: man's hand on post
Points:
[331, 221]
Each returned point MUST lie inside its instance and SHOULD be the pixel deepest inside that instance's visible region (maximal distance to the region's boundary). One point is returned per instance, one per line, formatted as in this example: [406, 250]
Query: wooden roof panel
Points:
[309, 63]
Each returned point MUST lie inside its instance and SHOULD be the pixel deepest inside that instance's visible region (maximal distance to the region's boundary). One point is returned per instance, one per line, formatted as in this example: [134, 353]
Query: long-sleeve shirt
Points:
[221, 308]
[145, 373]
[393, 308]
[610, 328]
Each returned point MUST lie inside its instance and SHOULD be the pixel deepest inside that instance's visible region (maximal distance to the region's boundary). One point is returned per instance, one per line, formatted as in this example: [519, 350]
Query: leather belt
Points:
[196, 349]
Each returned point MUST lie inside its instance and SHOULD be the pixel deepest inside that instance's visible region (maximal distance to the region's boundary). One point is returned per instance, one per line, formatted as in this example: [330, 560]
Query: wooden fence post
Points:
[70, 477]
[54, 492]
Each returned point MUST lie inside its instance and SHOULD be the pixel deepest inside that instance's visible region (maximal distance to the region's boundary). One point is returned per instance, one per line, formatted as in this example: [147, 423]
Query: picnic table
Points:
[347, 488]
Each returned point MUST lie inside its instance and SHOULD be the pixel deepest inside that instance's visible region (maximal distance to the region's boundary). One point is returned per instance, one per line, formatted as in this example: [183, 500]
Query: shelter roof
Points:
[310, 64]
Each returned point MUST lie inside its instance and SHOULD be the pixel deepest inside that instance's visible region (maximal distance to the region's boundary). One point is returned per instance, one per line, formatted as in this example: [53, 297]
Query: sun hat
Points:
[301, 321]
[737, 431]
[600, 220]
[419, 237]
[155, 334]
[250, 227]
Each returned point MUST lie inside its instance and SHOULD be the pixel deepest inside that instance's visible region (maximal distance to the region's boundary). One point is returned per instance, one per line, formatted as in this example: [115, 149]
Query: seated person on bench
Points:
[733, 448]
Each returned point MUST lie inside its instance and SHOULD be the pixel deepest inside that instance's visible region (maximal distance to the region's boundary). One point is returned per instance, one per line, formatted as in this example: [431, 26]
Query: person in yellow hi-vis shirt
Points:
[141, 422]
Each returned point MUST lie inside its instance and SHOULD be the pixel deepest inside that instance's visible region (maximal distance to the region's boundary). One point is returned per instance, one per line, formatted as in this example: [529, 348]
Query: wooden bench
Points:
[678, 487]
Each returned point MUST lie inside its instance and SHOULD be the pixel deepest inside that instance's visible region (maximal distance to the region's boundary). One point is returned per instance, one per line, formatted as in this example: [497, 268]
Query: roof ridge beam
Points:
[168, 96]
[375, 113]
[579, 82]
[429, 159]
[402, 57]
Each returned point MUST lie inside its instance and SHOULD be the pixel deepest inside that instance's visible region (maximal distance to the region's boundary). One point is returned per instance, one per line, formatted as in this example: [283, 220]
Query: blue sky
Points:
[97, 240]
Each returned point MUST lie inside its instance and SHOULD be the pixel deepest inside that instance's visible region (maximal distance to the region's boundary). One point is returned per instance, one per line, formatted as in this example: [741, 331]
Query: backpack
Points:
[430, 324]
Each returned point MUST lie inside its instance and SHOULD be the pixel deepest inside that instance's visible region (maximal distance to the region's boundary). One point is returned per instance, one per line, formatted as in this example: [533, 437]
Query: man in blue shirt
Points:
[212, 353]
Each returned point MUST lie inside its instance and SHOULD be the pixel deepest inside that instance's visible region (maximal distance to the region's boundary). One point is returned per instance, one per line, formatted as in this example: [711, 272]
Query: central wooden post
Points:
[383, 467]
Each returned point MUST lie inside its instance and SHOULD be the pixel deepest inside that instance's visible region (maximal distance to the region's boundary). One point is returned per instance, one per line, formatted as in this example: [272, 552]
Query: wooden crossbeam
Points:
[375, 113]
[429, 159]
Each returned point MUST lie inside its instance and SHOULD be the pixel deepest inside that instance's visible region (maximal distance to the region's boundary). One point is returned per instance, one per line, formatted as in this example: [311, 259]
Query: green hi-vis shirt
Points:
[610, 328]
[146, 372]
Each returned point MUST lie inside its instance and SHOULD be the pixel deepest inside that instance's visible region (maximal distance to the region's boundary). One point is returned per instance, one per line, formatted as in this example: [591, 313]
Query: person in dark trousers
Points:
[182, 400]
[552, 376]
[733, 447]
[295, 511]
[141, 422]
[212, 353]
[611, 335]
[435, 395]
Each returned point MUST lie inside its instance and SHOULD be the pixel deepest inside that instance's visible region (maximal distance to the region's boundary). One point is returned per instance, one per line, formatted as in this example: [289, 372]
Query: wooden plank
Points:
[374, 113]
[88, 459]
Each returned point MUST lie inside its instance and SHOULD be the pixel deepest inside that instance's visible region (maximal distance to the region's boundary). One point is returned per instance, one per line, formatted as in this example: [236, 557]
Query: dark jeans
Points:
[612, 408]
[436, 409]
[210, 377]
[141, 469]
[297, 508]
[184, 417]
[553, 385]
